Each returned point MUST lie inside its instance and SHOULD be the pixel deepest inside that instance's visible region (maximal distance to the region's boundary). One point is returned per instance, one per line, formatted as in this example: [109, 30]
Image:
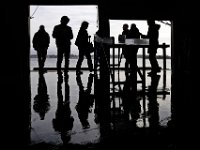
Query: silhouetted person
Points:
[125, 29]
[85, 101]
[82, 40]
[41, 100]
[63, 121]
[63, 35]
[153, 36]
[125, 34]
[99, 103]
[41, 42]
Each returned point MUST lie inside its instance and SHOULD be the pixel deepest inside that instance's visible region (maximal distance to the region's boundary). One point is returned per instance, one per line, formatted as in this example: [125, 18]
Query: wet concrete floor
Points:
[64, 114]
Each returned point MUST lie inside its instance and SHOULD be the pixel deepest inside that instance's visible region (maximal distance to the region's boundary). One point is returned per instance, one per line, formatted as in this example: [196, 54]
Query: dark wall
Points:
[138, 10]
[15, 74]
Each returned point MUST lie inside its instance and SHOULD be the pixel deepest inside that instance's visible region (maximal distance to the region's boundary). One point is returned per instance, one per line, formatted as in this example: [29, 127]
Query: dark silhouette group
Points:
[130, 97]
[130, 52]
[63, 35]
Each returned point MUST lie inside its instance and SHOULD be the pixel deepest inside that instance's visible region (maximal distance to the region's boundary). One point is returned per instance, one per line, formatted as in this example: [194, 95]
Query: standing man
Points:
[125, 29]
[153, 35]
[63, 35]
[41, 42]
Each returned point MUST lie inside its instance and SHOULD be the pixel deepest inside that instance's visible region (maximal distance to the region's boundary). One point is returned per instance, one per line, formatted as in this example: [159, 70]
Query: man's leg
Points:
[154, 62]
[59, 60]
[39, 60]
[67, 56]
[79, 62]
[44, 55]
[89, 61]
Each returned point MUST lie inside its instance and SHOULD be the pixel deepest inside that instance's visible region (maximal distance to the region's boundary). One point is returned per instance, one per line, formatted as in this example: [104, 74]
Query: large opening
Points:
[55, 116]
[164, 83]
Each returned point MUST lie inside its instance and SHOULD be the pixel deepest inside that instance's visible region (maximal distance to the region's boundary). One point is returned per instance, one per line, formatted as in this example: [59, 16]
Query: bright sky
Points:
[50, 16]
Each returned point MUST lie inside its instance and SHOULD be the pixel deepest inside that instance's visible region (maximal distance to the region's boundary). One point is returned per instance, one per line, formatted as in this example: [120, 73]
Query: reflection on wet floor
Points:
[68, 110]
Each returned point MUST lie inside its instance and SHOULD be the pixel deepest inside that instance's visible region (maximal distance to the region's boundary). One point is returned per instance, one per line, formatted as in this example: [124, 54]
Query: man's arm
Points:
[71, 34]
[54, 33]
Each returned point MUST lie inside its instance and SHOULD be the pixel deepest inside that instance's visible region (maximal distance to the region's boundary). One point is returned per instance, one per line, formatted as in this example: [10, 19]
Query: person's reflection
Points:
[85, 101]
[130, 101]
[97, 99]
[41, 100]
[153, 106]
[63, 121]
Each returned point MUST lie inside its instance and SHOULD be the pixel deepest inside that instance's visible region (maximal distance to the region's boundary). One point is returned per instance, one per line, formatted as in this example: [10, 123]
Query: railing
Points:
[115, 60]
[119, 46]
